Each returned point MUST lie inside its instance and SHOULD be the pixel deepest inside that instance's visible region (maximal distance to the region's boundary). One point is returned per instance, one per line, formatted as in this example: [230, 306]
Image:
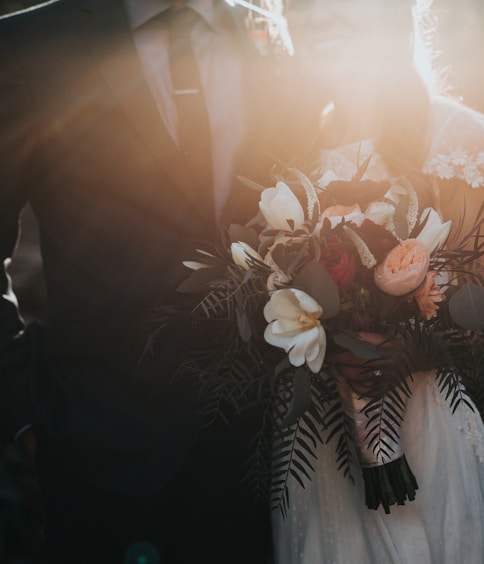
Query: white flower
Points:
[380, 212]
[399, 188]
[337, 213]
[242, 253]
[294, 326]
[195, 265]
[435, 233]
[328, 177]
[278, 205]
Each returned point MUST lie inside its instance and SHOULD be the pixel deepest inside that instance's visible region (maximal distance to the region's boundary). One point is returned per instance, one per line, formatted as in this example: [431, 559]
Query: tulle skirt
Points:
[329, 523]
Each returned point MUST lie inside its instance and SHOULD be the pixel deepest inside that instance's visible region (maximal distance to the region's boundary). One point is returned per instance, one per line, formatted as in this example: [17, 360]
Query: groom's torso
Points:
[84, 142]
[102, 166]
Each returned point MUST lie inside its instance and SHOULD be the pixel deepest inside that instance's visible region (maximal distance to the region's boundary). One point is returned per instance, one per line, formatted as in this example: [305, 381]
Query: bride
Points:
[359, 54]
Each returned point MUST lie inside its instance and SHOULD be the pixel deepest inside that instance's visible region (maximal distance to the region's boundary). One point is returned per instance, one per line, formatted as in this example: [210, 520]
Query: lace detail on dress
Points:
[458, 164]
[467, 423]
[456, 150]
[467, 420]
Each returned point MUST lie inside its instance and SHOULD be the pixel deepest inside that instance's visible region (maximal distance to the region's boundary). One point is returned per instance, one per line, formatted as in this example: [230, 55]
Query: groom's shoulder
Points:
[36, 13]
[48, 18]
[41, 28]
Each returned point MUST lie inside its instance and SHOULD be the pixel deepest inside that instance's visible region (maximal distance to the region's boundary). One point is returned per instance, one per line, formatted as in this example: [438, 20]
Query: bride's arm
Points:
[456, 166]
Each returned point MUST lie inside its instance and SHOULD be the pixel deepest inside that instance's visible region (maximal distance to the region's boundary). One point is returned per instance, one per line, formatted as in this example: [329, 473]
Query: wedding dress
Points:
[328, 521]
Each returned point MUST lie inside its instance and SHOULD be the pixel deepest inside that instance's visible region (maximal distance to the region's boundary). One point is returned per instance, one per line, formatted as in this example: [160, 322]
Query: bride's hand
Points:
[357, 371]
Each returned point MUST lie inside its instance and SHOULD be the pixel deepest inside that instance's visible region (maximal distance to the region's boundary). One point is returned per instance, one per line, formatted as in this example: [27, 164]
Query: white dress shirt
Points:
[220, 66]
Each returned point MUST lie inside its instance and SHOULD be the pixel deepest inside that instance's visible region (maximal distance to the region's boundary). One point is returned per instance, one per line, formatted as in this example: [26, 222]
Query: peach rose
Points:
[428, 296]
[403, 269]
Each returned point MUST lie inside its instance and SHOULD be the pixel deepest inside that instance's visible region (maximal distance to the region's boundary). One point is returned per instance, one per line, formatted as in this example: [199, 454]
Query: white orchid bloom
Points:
[294, 326]
[280, 205]
[242, 253]
[435, 232]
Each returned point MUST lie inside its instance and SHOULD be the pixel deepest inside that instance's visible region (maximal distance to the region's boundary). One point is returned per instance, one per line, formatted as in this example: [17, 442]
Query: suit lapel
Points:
[104, 26]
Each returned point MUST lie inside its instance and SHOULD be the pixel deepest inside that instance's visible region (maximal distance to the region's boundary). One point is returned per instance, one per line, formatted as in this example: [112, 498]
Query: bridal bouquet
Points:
[325, 273]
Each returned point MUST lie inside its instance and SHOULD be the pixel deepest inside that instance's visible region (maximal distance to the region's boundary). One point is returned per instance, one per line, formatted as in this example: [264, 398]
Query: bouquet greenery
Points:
[320, 270]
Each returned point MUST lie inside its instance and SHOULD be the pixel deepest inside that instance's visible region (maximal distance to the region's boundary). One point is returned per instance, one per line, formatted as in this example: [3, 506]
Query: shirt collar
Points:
[141, 11]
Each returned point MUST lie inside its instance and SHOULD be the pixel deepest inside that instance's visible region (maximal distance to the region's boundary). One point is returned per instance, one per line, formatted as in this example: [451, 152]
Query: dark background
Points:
[459, 44]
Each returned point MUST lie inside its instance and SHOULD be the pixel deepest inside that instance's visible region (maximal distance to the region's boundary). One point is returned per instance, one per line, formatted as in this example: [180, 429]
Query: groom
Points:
[91, 136]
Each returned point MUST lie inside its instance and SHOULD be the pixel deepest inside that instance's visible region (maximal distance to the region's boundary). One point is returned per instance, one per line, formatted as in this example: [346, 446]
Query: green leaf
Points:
[400, 217]
[315, 280]
[312, 434]
[199, 279]
[306, 446]
[361, 348]
[300, 454]
[243, 325]
[251, 184]
[245, 234]
[466, 307]
[301, 469]
[301, 397]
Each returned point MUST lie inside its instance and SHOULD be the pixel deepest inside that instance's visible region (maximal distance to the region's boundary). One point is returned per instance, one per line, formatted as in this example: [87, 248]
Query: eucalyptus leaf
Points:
[251, 184]
[279, 256]
[199, 279]
[400, 217]
[281, 366]
[301, 397]
[315, 280]
[361, 348]
[245, 234]
[466, 307]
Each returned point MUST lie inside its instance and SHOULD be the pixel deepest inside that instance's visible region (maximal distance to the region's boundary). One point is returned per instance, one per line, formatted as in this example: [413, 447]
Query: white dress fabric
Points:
[328, 521]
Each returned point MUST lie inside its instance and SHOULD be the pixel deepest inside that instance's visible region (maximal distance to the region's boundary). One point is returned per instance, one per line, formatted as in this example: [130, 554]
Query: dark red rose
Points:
[378, 239]
[340, 263]
[349, 193]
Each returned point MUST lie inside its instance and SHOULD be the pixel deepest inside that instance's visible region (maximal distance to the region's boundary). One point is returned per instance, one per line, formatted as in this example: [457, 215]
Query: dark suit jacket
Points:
[82, 141]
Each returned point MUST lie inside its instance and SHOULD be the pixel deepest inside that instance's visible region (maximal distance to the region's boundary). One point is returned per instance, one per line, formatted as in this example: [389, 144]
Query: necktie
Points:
[194, 136]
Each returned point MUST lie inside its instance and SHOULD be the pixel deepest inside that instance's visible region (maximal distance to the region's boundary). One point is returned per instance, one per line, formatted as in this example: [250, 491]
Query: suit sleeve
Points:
[16, 146]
